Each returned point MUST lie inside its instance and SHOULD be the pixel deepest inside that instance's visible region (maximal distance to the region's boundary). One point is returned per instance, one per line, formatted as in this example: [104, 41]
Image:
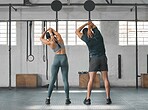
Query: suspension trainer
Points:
[30, 56]
[56, 6]
[46, 62]
[44, 27]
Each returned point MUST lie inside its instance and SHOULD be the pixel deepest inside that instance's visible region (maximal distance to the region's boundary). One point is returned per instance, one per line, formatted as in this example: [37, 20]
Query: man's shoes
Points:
[108, 101]
[87, 101]
[47, 101]
[68, 102]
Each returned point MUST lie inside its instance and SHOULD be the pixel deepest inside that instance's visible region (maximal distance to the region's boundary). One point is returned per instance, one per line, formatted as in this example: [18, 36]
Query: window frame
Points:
[6, 42]
[130, 33]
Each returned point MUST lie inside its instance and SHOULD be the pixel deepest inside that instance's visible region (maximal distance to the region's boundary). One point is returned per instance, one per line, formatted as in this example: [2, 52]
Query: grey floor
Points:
[34, 99]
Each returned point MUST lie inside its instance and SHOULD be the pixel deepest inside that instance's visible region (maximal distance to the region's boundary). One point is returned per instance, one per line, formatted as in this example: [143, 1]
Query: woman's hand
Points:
[50, 29]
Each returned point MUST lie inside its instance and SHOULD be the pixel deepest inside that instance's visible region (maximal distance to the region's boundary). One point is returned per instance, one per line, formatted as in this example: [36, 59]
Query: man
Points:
[97, 58]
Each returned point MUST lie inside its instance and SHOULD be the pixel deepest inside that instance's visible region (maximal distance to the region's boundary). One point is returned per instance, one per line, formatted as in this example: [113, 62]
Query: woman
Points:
[55, 42]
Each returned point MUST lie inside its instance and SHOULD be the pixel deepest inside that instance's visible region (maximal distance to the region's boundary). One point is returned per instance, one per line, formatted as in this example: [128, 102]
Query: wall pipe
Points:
[10, 46]
[136, 19]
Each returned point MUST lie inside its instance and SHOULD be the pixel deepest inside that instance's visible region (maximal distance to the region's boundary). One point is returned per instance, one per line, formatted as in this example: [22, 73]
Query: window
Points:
[79, 41]
[62, 29]
[71, 38]
[127, 33]
[37, 32]
[4, 33]
[65, 28]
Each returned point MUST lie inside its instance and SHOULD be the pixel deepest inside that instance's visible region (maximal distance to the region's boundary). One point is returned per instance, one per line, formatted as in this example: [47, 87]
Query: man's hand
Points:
[90, 24]
[89, 33]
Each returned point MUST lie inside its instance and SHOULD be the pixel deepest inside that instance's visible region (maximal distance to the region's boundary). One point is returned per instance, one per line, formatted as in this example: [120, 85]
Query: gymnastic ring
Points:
[89, 5]
[30, 58]
[56, 5]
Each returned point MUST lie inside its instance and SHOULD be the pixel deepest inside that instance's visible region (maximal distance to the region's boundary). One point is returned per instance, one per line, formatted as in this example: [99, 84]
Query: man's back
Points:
[95, 44]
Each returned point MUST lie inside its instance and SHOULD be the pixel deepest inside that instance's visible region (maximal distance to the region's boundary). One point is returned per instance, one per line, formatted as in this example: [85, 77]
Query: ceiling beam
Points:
[80, 4]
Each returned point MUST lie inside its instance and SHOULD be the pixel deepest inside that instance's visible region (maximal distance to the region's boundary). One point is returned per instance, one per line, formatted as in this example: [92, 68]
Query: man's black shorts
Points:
[98, 63]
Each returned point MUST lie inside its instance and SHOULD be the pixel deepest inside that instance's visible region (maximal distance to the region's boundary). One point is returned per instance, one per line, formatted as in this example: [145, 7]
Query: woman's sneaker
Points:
[67, 102]
[47, 101]
[87, 101]
[108, 101]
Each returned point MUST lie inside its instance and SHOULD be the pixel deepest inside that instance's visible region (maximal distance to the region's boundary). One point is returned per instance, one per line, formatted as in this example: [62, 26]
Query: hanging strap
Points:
[27, 44]
[30, 56]
[44, 57]
[46, 62]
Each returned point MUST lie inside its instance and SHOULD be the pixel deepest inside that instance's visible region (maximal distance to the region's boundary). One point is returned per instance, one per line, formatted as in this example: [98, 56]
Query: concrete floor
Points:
[34, 99]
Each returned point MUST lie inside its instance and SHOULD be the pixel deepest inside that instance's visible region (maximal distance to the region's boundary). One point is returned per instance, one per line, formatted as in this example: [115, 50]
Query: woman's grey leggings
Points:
[60, 60]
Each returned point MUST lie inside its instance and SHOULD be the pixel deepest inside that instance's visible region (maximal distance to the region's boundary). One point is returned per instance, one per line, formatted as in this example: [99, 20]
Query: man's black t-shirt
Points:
[95, 44]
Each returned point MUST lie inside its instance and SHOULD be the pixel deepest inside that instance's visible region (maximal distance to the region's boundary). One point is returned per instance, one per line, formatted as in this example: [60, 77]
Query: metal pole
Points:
[69, 20]
[89, 16]
[9, 46]
[136, 46]
[57, 30]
